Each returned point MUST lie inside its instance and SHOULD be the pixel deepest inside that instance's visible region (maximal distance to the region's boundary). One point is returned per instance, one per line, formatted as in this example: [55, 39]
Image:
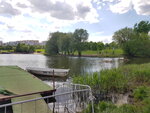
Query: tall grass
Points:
[128, 78]
[141, 104]
[120, 80]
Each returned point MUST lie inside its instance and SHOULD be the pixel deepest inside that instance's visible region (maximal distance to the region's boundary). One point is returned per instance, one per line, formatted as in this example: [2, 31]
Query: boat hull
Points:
[52, 73]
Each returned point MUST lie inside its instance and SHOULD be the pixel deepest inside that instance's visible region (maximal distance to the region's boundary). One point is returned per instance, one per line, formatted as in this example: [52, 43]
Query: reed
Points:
[129, 78]
[118, 80]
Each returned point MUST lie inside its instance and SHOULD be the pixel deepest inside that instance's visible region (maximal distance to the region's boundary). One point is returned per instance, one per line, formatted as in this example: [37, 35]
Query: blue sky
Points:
[34, 20]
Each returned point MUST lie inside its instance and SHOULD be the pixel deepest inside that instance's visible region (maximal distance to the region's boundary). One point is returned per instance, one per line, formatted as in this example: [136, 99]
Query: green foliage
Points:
[40, 50]
[135, 42]
[52, 44]
[107, 107]
[123, 35]
[80, 36]
[7, 47]
[66, 43]
[138, 46]
[118, 80]
[141, 92]
[142, 27]
[103, 106]
[94, 46]
[23, 48]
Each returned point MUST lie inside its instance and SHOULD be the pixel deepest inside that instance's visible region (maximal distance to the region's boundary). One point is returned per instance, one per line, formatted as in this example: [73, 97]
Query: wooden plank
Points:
[18, 81]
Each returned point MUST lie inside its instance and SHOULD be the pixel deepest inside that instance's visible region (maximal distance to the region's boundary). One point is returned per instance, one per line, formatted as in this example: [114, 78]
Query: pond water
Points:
[77, 65]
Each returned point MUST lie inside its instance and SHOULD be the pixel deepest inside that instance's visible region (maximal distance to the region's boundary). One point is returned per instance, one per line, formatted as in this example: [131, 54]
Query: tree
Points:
[142, 27]
[80, 36]
[123, 35]
[60, 43]
[52, 44]
[135, 42]
[138, 46]
[23, 48]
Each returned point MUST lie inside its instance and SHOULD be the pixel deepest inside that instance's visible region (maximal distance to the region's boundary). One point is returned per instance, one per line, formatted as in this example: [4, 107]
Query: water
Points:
[76, 65]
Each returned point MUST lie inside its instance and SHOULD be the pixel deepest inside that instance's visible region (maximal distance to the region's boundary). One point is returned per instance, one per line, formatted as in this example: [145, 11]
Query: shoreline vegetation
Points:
[87, 53]
[130, 80]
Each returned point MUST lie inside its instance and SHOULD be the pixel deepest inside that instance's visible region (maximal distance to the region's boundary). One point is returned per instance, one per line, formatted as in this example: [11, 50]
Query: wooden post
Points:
[53, 80]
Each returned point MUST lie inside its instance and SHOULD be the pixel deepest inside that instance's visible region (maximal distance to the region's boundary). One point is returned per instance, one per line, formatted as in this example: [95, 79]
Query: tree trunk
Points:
[79, 53]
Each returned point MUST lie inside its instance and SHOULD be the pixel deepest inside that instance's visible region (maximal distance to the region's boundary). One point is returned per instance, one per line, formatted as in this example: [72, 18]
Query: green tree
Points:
[23, 48]
[123, 35]
[142, 27]
[138, 46]
[60, 43]
[133, 43]
[80, 36]
[52, 44]
[65, 45]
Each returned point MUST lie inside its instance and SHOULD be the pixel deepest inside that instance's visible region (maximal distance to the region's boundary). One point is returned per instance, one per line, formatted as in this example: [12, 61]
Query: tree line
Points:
[134, 41]
[21, 48]
[68, 43]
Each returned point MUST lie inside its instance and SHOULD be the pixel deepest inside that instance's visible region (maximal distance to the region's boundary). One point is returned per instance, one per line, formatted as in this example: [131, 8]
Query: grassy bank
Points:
[103, 53]
[129, 78]
[6, 51]
[40, 51]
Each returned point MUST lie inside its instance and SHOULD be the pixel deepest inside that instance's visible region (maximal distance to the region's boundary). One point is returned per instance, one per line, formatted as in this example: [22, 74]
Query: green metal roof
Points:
[18, 81]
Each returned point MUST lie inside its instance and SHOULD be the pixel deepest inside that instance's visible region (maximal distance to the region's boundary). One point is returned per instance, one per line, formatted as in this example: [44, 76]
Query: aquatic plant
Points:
[117, 80]
[129, 78]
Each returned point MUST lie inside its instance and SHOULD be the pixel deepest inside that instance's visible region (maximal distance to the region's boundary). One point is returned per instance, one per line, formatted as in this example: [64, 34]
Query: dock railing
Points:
[69, 98]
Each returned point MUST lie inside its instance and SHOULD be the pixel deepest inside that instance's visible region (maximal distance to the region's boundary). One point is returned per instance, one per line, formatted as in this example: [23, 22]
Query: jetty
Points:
[20, 82]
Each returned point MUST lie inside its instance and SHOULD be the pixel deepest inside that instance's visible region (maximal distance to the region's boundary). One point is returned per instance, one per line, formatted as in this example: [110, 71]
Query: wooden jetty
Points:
[20, 82]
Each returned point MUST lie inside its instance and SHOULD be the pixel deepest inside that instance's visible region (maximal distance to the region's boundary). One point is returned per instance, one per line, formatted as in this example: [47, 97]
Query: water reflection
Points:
[83, 65]
[77, 65]
[138, 60]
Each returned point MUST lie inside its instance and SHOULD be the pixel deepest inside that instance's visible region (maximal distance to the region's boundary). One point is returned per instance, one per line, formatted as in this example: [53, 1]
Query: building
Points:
[27, 42]
[1, 43]
[43, 43]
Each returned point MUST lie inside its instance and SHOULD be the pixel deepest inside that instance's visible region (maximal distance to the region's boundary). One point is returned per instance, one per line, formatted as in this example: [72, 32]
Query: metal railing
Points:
[68, 98]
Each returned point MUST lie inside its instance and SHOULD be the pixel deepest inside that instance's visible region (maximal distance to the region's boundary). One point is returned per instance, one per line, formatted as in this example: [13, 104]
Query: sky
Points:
[35, 19]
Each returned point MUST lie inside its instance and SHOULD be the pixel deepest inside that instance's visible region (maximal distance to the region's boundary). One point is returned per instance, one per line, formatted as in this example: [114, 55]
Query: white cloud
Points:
[122, 7]
[34, 19]
[99, 37]
[8, 9]
[142, 7]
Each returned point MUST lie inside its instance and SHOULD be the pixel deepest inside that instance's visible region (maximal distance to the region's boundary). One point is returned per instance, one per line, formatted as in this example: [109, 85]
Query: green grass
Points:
[103, 53]
[139, 106]
[111, 52]
[6, 51]
[40, 50]
[122, 79]
[128, 78]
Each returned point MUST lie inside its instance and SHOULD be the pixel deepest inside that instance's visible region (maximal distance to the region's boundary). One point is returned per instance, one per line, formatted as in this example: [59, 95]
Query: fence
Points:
[68, 98]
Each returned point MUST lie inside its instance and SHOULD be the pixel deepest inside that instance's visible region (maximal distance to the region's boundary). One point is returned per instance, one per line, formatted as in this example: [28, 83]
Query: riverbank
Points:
[110, 53]
[131, 79]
